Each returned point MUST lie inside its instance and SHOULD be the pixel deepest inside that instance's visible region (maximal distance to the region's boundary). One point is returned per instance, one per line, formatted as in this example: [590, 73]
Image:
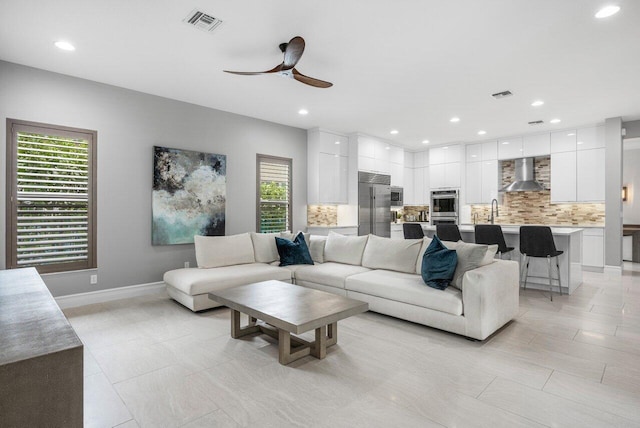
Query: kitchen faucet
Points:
[497, 214]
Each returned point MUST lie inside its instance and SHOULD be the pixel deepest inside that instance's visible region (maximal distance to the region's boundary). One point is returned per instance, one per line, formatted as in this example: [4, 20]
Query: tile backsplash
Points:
[536, 207]
[322, 215]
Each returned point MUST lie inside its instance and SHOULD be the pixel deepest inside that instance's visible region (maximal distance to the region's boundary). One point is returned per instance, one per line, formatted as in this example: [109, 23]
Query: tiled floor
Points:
[573, 362]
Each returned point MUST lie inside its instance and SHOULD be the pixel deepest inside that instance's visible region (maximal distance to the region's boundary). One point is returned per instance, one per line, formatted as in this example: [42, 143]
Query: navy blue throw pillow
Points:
[438, 265]
[293, 252]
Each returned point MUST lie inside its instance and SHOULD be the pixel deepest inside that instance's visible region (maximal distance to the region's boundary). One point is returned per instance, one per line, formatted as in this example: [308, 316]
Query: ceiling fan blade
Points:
[310, 80]
[250, 73]
[293, 52]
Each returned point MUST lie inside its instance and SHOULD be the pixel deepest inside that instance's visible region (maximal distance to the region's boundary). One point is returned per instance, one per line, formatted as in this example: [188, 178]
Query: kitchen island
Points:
[567, 239]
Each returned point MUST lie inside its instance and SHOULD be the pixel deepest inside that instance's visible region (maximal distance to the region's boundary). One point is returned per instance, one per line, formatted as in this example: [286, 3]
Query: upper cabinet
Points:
[590, 138]
[510, 148]
[327, 167]
[563, 141]
[446, 154]
[536, 145]
[444, 166]
[380, 157]
[481, 172]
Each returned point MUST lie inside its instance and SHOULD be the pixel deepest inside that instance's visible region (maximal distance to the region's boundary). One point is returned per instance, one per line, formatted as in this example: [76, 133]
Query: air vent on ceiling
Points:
[503, 94]
[202, 21]
[536, 122]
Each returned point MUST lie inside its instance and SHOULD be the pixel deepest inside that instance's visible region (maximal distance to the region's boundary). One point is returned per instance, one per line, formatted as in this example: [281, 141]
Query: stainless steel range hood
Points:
[525, 177]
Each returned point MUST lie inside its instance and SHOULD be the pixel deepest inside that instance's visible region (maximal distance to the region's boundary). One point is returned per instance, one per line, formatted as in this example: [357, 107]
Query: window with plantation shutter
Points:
[51, 207]
[274, 194]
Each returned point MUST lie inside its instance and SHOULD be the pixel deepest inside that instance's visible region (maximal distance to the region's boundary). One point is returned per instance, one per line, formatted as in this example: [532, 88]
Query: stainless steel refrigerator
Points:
[374, 204]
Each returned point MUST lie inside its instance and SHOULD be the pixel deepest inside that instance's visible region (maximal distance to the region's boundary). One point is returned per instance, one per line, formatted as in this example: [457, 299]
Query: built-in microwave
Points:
[397, 199]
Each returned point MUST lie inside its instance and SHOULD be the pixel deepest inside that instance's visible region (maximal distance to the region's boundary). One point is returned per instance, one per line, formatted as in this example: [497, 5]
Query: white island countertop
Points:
[515, 229]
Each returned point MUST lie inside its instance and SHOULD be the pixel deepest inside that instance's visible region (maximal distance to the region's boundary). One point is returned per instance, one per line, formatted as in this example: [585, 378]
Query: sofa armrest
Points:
[491, 297]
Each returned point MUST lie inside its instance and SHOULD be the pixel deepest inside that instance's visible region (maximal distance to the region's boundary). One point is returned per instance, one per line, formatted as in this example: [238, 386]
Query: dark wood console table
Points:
[41, 359]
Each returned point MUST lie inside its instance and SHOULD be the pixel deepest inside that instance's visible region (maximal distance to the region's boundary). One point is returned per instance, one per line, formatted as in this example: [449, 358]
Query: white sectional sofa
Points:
[382, 272]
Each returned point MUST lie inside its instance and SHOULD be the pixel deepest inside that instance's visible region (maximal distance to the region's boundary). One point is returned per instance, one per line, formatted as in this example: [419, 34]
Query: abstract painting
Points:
[189, 195]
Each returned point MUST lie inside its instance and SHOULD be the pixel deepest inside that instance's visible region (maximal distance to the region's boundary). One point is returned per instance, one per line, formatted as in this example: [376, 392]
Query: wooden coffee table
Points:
[286, 309]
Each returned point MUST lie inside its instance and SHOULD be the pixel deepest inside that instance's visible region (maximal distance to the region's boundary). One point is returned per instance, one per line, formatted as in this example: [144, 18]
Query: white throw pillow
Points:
[216, 251]
[425, 243]
[316, 247]
[291, 236]
[391, 254]
[470, 256]
[264, 247]
[344, 249]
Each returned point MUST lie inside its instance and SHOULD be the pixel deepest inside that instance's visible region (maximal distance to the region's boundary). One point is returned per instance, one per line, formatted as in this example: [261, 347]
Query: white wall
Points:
[129, 124]
[631, 179]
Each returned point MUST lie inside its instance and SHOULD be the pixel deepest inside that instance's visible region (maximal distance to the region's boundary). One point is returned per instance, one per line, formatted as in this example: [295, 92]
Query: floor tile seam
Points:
[630, 353]
[126, 422]
[518, 415]
[486, 387]
[139, 375]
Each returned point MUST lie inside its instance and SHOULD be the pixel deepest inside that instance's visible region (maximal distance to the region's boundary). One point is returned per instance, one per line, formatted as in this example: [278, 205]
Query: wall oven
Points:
[397, 199]
[444, 206]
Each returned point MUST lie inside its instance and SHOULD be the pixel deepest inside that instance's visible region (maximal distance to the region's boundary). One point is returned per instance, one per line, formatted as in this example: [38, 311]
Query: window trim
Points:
[13, 127]
[280, 160]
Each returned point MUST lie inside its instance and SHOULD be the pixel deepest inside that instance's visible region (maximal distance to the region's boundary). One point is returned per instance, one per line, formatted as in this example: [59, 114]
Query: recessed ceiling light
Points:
[303, 112]
[393, 131]
[65, 46]
[388, 148]
[555, 121]
[607, 11]
[445, 148]
[482, 132]
[580, 142]
[537, 103]
[337, 142]
[425, 141]
[474, 156]
[454, 119]
[505, 142]
[571, 134]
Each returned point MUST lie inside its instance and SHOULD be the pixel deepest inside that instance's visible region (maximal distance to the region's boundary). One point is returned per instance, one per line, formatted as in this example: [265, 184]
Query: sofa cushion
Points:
[291, 236]
[331, 274]
[470, 256]
[316, 247]
[344, 249]
[406, 288]
[264, 247]
[438, 265]
[425, 244]
[392, 254]
[198, 281]
[215, 251]
[293, 252]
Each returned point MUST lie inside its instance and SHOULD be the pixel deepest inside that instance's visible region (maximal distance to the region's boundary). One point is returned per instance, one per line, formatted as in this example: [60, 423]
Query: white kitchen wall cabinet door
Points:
[452, 173]
[452, 153]
[489, 150]
[366, 147]
[333, 179]
[563, 141]
[426, 186]
[437, 176]
[408, 187]
[396, 155]
[408, 159]
[474, 183]
[436, 156]
[490, 181]
[510, 148]
[474, 152]
[563, 177]
[418, 186]
[397, 174]
[590, 138]
[366, 164]
[536, 145]
[420, 159]
[382, 166]
[333, 144]
[590, 175]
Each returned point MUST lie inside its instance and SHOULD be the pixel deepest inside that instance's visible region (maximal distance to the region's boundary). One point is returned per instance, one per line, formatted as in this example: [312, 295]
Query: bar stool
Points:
[537, 241]
[412, 231]
[448, 232]
[490, 234]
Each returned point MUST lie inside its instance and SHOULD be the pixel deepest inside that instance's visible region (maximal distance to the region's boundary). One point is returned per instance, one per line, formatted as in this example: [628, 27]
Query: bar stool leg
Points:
[550, 279]
[526, 272]
[558, 270]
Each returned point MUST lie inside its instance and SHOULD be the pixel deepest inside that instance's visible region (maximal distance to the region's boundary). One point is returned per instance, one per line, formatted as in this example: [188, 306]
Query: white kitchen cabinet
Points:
[333, 179]
[366, 164]
[418, 186]
[408, 159]
[452, 153]
[396, 231]
[397, 174]
[474, 152]
[563, 141]
[396, 155]
[420, 159]
[473, 188]
[590, 175]
[408, 187]
[366, 147]
[510, 148]
[536, 145]
[590, 138]
[490, 180]
[437, 176]
[489, 150]
[452, 174]
[426, 186]
[563, 177]
[333, 144]
[436, 156]
[382, 166]
[593, 247]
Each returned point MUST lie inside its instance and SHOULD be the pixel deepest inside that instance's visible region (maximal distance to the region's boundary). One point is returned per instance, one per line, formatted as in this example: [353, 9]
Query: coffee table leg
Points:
[332, 334]
[285, 356]
[320, 345]
[237, 331]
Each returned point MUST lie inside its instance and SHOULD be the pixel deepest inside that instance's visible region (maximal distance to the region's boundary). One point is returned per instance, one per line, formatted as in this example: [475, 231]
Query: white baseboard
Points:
[613, 270]
[100, 296]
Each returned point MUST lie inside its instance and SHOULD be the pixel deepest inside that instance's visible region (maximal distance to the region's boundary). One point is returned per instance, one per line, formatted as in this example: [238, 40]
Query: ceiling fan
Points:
[292, 53]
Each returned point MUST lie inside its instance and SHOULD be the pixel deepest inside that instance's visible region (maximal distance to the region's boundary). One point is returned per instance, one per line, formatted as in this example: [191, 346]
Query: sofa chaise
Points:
[385, 273]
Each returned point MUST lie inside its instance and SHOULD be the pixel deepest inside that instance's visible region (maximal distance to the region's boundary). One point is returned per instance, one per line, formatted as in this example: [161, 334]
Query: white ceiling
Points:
[404, 64]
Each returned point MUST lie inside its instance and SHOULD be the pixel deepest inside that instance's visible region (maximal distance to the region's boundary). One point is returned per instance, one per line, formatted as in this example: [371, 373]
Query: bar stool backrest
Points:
[448, 232]
[537, 241]
[412, 231]
[490, 234]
